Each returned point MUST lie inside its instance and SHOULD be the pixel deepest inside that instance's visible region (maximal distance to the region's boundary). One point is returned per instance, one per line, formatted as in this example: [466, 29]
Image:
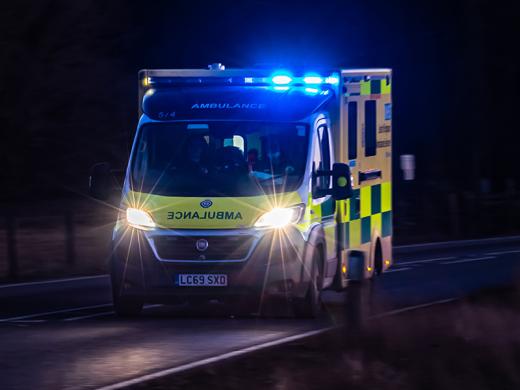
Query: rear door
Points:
[367, 123]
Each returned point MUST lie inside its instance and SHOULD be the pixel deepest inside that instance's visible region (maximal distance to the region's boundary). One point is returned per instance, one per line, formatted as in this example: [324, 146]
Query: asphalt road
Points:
[63, 334]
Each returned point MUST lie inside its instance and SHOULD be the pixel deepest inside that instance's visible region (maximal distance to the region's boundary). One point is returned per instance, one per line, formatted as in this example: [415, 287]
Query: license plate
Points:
[202, 280]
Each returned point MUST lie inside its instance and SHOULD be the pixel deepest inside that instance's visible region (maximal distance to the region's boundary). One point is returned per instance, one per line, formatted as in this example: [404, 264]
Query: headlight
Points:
[280, 217]
[139, 219]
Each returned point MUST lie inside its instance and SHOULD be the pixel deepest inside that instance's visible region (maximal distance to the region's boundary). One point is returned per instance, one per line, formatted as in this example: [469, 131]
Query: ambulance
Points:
[246, 185]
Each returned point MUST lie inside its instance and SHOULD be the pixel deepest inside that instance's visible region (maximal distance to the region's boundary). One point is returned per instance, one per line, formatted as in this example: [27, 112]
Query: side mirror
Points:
[341, 181]
[100, 181]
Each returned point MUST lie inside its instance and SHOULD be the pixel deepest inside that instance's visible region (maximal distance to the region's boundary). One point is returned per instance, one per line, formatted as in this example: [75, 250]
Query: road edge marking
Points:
[454, 243]
[426, 260]
[253, 348]
[35, 315]
[469, 260]
[51, 281]
[214, 359]
[389, 271]
[411, 308]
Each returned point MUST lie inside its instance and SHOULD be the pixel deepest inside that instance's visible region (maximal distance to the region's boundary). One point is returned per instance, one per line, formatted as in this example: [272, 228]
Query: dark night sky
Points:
[68, 89]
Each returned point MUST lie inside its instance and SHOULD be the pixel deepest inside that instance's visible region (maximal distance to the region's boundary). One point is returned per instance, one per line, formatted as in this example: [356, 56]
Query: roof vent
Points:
[216, 66]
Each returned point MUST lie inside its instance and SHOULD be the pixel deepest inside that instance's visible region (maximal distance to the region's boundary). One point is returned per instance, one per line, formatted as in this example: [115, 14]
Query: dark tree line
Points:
[68, 76]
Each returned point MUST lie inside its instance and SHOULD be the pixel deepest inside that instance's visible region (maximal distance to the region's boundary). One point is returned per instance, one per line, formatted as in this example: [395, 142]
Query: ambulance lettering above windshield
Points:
[229, 106]
[196, 215]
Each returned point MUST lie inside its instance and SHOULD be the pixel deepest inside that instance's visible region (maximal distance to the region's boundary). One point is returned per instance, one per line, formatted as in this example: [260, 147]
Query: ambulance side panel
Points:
[365, 143]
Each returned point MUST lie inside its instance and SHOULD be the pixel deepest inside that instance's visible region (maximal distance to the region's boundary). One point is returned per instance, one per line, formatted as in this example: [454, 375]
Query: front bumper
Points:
[272, 265]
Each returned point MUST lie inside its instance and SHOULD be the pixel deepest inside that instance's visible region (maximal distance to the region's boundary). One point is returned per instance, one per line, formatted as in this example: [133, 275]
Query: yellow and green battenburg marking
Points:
[370, 208]
[373, 87]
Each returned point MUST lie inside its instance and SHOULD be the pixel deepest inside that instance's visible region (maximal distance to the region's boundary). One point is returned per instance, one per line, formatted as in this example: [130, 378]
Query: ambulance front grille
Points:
[219, 248]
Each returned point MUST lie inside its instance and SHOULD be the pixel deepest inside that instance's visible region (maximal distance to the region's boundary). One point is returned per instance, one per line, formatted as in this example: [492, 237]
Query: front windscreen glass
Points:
[219, 158]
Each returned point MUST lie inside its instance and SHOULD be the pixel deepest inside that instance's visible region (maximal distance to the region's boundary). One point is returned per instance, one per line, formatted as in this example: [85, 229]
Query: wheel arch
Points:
[315, 242]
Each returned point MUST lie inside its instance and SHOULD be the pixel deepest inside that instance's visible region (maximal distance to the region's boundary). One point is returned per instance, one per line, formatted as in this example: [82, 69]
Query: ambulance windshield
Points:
[219, 158]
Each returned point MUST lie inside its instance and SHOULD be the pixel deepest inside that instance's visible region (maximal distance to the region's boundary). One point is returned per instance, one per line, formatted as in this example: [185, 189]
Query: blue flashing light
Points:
[332, 80]
[281, 88]
[281, 79]
[312, 90]
[312, 79]
[248, 80]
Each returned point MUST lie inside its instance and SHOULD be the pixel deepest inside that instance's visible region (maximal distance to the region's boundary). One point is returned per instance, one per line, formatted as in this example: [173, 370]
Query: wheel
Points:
[124, 305]
[310, 306]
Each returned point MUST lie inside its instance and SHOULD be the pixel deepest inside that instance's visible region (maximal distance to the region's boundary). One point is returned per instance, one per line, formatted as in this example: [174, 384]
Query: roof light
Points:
[332, 79]
[312, 79]
[281, 79]
[248, 80]
[312, 90]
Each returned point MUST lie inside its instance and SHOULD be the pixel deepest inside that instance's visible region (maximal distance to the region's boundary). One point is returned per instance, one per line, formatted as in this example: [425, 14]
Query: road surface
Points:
[63, 334]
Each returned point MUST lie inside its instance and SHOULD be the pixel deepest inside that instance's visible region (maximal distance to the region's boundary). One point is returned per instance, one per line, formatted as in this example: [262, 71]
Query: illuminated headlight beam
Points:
[139, 219]
[280, 217]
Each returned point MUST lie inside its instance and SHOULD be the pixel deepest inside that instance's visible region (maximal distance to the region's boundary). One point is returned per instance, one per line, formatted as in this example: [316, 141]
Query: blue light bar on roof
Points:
[312, 91]
[278, 78]
[332, 80]
[312, 79]
[281, 79]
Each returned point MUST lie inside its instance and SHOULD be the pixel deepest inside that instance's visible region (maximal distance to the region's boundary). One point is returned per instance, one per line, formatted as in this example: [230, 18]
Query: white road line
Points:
[398, 270]
[425, 260]
[214, 359]
[105, 313]
[469, 260]
[53, 312]
[444, 244]
[243, 351]
[501, 253]
[410, 308]
[51, 281]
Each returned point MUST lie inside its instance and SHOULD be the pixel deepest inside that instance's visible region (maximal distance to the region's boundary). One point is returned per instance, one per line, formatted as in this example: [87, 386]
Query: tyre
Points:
[310, 306]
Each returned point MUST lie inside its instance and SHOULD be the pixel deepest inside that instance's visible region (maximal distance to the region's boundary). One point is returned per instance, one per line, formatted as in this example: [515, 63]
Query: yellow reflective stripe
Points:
[365, 87]
[343, 207]
[386, 88]
[375, 222]
[316, 213]
[386, 196]
[366, 201]
[355, 233]
[314, 210]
